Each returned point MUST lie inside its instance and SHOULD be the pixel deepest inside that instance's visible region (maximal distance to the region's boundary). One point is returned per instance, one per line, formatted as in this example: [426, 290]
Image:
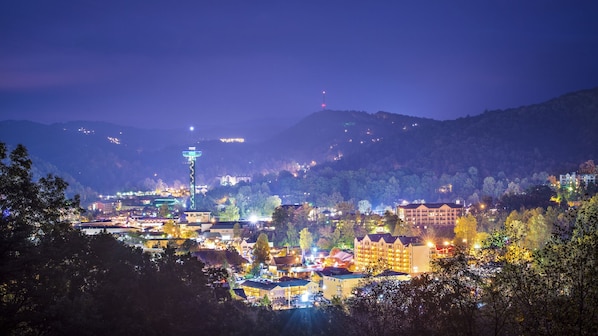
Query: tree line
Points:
[56, 281]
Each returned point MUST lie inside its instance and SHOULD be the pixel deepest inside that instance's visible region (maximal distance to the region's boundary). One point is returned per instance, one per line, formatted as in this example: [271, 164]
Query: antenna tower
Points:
[323, 100]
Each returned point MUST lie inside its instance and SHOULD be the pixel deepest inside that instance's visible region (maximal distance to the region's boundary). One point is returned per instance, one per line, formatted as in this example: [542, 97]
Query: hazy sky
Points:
[175, 63]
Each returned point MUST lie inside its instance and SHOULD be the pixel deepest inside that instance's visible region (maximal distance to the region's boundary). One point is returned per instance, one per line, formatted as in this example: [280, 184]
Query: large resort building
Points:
[434, 215]
[401, 254]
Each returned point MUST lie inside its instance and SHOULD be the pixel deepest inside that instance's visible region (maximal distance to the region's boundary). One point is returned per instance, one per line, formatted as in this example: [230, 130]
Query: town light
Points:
[305, 297]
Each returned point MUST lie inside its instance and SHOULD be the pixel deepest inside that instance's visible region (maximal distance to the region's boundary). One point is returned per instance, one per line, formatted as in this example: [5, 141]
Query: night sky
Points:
[171, 64]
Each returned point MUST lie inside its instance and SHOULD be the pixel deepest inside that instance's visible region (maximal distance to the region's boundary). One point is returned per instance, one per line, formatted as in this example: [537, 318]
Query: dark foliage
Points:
[533, 197]
[56, 281]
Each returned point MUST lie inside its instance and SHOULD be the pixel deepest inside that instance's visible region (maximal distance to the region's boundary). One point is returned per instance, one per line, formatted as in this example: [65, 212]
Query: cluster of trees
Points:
[56, 281]
[327, 232]
[524, 288]
[293, 225]
[242, 201]
[534, 273]
[326, 187]
[511, 235]
[370, 190]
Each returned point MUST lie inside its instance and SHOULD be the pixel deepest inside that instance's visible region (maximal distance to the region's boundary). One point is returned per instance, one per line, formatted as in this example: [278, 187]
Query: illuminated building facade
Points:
[341, 285]
[284, 290]
[430, 214]
[397, 253]
[229, 180]
[573, 180]
[196, 216]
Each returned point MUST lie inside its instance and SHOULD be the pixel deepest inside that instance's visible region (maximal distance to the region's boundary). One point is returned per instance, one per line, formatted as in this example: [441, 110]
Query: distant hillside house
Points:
[574, 180]
[229, 180]
[130, 205]
[194, 216]
[401, 254]
[341, 285]
[102, 207]
[248, 244]
[225, 229]
[148, 223]
[426, 215]
[319, 275]
[278, 291]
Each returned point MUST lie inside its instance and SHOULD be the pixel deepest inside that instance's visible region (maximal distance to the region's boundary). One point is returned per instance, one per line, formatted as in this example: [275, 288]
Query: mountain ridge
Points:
[553, 136]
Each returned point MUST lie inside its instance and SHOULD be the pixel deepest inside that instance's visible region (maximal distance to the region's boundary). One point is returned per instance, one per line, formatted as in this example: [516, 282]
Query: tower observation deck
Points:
[192, 154]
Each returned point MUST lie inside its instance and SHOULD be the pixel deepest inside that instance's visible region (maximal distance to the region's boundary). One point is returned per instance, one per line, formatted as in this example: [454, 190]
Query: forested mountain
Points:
[552, 137]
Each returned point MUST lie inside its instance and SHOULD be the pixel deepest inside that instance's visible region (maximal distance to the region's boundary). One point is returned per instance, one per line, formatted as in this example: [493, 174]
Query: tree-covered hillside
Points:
[414, 156]
[550, 137]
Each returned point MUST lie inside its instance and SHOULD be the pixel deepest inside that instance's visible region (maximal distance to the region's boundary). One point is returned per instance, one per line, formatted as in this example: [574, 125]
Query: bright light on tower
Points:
[191, 128]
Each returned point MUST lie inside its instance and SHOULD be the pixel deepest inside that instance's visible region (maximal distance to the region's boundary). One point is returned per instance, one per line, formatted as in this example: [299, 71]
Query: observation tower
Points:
[191, 156]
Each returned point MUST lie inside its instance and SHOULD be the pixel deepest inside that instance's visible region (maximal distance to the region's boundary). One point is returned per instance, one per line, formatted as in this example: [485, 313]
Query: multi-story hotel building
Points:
[401, 254]
[426, 215]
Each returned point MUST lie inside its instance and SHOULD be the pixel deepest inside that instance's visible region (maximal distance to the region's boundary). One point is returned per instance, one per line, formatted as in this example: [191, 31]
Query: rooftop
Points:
[349, 276]
[388, 238]
[431, 205]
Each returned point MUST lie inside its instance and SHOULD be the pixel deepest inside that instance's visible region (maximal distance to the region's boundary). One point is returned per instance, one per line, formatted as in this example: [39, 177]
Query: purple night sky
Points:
[170, 64]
